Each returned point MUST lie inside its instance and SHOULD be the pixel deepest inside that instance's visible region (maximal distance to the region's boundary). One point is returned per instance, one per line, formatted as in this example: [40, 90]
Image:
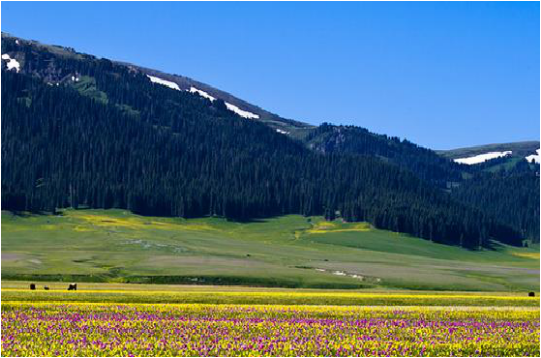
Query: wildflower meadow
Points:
[111, 329]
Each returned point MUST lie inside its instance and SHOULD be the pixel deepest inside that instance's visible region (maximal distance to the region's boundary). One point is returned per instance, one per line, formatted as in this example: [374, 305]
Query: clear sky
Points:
[442, 75]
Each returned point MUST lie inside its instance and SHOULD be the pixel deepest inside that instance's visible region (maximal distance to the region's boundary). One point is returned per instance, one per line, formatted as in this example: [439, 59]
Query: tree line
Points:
[155, 151]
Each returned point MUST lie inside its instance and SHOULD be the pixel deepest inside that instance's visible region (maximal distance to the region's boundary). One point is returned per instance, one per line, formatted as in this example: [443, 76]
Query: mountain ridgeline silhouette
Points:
[80, 131]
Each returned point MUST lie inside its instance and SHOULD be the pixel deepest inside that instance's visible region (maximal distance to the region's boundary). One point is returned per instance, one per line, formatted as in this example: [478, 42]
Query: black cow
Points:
[72, 287]
[531, 294]
[32, 286]
[46, 288]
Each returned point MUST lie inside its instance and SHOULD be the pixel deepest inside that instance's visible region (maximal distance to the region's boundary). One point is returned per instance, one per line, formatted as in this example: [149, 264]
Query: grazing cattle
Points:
[72, 287]
[46, 288]
[531, 294]
[32, 286]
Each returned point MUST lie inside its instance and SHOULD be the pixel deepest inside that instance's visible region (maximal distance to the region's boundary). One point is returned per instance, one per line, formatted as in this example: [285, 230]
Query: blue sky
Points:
[442, 75]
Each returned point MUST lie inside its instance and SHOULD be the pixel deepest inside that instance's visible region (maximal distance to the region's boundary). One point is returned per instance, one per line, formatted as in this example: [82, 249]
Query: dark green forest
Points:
[505, 189]
[513, 197]
[425, 163]
[113, 139]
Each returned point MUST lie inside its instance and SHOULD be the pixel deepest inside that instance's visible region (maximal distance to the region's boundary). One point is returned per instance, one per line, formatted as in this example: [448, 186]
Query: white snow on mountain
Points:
[534, 157]
[240, 112]
[281, 131]
[161, 81]
[11, 63]
[483, 157]
[202, 93]
[231, 107]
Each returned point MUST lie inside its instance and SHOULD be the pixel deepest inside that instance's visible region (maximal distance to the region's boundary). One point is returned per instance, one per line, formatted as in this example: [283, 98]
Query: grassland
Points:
[75, 329]
[98, 293]
[113, 319]
[289, 251]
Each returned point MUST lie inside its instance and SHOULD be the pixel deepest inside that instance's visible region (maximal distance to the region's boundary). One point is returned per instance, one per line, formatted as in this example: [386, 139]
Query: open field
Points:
[235, 321]
[184, 294]
[289, 251]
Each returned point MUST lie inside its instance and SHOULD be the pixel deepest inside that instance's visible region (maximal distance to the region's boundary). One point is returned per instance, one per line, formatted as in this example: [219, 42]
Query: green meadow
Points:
[116, 246]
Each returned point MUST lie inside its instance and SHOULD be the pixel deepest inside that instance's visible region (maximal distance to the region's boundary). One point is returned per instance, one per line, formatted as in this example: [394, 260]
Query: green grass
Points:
[87, 87]
[289, 251]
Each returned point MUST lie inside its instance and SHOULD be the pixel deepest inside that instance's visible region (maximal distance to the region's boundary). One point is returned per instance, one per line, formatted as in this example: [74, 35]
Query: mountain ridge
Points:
[359, 182]
[271, 119]
[185, 83]
[519, 149]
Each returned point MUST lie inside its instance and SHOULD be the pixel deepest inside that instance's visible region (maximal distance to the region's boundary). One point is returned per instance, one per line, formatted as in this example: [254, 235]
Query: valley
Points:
[151, 205]
[288, 251]
[159, 144]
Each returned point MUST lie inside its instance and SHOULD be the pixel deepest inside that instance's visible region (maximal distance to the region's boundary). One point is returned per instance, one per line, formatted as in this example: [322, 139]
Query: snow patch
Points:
[240, 112]
[17, 42]
[202, 93]
[281, 131]
[534, 157]
[483, 157]
[163, 82]
[11, 63]
[231, 107]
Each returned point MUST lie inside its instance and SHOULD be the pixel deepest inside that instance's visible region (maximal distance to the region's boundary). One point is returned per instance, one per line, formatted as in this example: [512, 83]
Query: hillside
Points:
[281, 125]
[182, 83]
[425, 163]
[505, 195]
[516, 149]
[78, 131]
[505, 188]
[496, 157]
[289, 251]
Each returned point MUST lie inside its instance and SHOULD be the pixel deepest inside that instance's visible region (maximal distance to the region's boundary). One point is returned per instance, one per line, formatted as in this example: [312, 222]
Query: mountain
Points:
[182, 83]
[80, 131]
[512, 197]
[505, 182]
[506, 187]
[479, 154]
[352, 140]
[241, 107]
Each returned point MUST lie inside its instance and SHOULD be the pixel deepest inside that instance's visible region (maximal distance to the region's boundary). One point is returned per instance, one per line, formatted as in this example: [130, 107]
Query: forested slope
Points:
[505, 189]
[514, 198]
[81, 131]
[425, 163]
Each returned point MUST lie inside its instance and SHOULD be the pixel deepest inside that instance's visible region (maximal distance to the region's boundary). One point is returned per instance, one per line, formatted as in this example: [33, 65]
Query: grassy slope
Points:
[520, 149]
[115, 245]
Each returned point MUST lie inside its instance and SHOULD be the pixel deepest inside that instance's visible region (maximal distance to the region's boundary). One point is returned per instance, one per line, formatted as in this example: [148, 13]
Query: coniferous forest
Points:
[114, 139]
